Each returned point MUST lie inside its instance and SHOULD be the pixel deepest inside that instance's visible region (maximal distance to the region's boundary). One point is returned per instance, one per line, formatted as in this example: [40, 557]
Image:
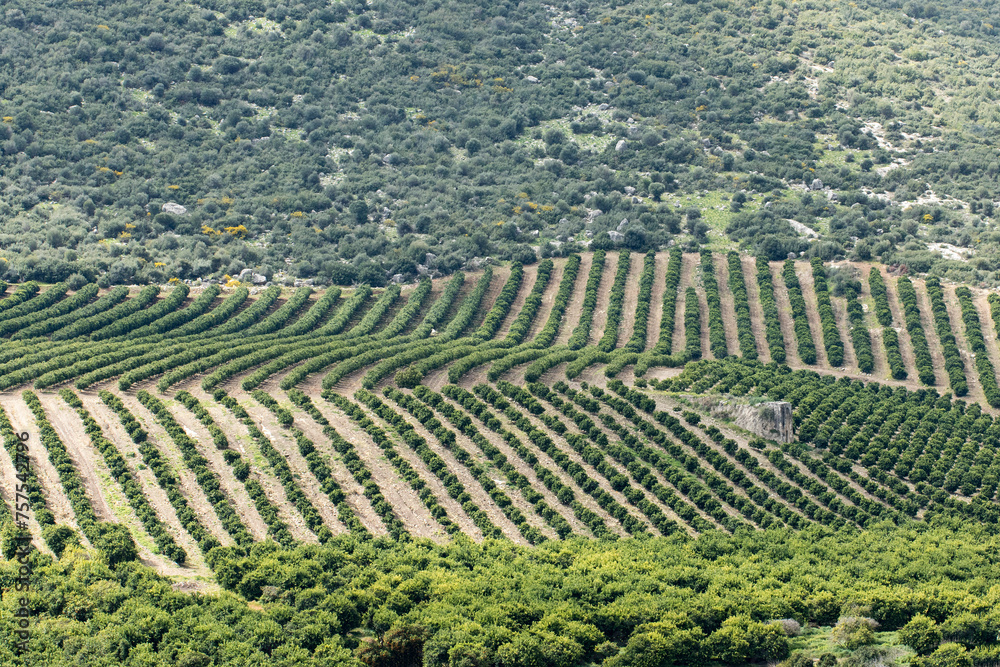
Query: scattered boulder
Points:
[174, 208]
[816, 184]
[616, 237]
[620, 146]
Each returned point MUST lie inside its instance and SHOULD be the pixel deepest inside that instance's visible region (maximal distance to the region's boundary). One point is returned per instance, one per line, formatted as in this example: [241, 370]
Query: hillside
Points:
[353, 142]
[252, 443]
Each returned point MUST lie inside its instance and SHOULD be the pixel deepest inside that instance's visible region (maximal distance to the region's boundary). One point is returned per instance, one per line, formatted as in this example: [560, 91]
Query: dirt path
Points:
[804, 273]
[472, 486]
[989, 330]
[89, 463]
[521, 466]
[968, 358]
[234, 489]
[353, 492]
[631, 302]
[600, 319]
[548, 300]
[527, 284]
[930, 331]
[899, 323]
[405, 503]
[656, 300]
[689, 263]
[23, 419]
[8, 490]
[186, 480]
[757, 325]
[844, 328]
[721, 263]
[155, 496]
[575, 306]
[785, 316]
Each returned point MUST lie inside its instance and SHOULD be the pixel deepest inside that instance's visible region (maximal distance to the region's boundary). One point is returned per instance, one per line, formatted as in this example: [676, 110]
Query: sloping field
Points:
[458, 406]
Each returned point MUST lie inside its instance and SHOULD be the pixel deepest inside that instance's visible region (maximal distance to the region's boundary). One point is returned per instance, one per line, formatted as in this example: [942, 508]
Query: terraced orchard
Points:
[605, 396]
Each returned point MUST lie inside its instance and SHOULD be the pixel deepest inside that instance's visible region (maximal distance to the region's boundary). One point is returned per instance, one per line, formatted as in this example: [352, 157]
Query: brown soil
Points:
[157, 497]
[527, 284]
[989, 330]
[631, 302]
[575, 306]
[844, 328]
[8, 490]
[968, 358]
[804, 273]
[353, 493]
[689, 263]
[548, 300]
[899, 323]
[233, 489]
[756, 309]
[406, 505]
[283, 441]
[728, 304]
[522, 467]
[472, 486]
[600, 319]
[187, 483]
[88, 462]
[22, 419]
[930, 331]
[785, 317]
[656, 300]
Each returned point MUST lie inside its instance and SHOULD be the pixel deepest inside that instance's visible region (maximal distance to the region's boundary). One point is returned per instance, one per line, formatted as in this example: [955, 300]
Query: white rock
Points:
[620, 146]
[616, 237]
[174, 209]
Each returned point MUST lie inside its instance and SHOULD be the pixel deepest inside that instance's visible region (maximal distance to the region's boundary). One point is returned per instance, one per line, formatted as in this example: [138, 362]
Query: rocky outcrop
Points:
[771, 420]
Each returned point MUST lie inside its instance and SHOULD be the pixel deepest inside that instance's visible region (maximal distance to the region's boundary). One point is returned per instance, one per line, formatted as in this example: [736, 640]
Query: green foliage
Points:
[581, 333]
[921, 634]
[800, 320]
[692, 324]
[831, 335]
[974, 334]
[716, 330]
[953, 363]
[738, 288]
[911, 311]
[772, 325]
[881, 297]
[616, 302]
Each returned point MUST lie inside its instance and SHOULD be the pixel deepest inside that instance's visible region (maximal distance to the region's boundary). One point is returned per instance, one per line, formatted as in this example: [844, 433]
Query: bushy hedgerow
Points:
[581, 334]
[921, 351]
[772, 324]
[831, 334]
[139, 319]
[977, 343]
[800, 320]
[692, 324]
[609, 339]
[876, 283]
[738, 288]
[716, 329]
[501, 307]
[48, 306]
[86, 326]
[953, 363]
[637, 342]
[673, 281]
[53, 323]
[860, 335]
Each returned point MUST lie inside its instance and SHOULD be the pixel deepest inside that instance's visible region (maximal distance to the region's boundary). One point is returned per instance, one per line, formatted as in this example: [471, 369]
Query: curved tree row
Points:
[716, 329]
[908, 298]
[831, 334]
[974, 334]
[47, 326]
[800, 320]
[616, 302]
[581, 333]
[772, 323]
[16, 325]
[741, 303]
[637, 341]
[880, 295]
[953, 363]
